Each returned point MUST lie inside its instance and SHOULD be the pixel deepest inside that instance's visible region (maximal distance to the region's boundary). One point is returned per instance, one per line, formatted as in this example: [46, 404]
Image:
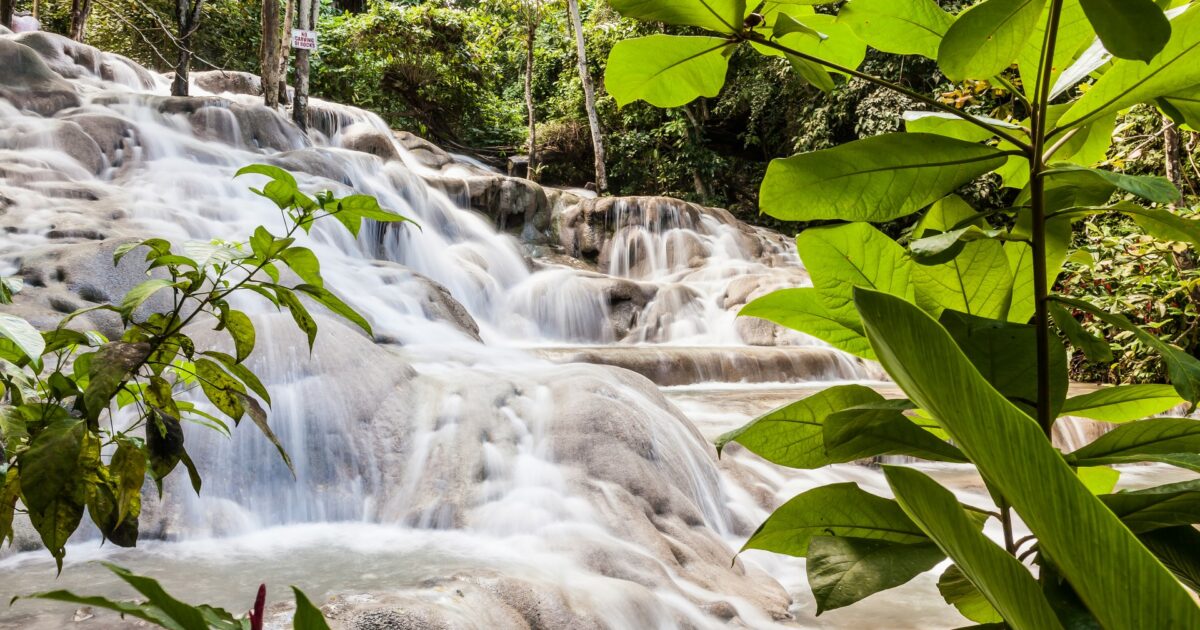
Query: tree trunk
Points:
[285, 48]
[268, 53]
[187, 16]
[6, 13]
[531, 24]
[80, 11]
[36, 9]
[589, 99]
[1173, 167]
[300, 102]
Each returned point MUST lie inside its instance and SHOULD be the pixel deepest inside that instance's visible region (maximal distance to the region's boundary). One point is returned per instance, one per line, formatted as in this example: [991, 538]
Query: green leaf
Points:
[1156, 436]
[802, 310]
[1092, 548]
[1178, 548]
[10, 493]
[1123, 403]
[840, 509]
[307, 617]
[164, 446]
[666, 70]
[844, 571]
[299, 314]
[901, 27]
[1163, 224]
[792, 435]
[882, 429]
[241, 329]
[114, 363]
[52, 484]
[952, 126]
[368, 207]
[221, 389]
[842, 257]
[243, 374]
[282, 189]
[1156, 189]
[977, 281]
[1095, 348]
[333, 303]
[1129, 29]
[1183, 368]
[838, 45]
[1005, 354]
[20, 332]
[1075, 35]
[144, 612]
[1129, 82]
[987, 38]
[724, 16]
[304, 262]
[875, 179]
[1099, 479]
[786, 25]
[187, 617]
[933, 246]
[103, 507]
[959, 592]
[1160, 507]
[128, 468]
[1004, 582]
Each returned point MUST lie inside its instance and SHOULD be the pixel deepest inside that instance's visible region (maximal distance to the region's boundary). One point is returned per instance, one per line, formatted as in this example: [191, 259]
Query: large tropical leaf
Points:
[840, 509]
[1075, 34]
[1171, 505]
[803, 310]
[1118, 579]
[852, 255]
[1145, 438]
[1006, 356]
[792, 435]
[1183, 368]
[1129, 82]
[902, 27]
[1130, 29]
[1123, 403]
[843, 571]
[666, 70]
[724, 16]
[882, 429]
[1004, 581]
[987, 38]
[875, 179]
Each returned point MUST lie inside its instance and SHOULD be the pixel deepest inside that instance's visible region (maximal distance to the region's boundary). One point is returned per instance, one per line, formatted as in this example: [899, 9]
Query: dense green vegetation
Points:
[948, 311]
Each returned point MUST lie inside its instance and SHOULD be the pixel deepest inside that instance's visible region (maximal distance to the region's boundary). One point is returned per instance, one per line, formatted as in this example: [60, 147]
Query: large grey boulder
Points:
[29, 84]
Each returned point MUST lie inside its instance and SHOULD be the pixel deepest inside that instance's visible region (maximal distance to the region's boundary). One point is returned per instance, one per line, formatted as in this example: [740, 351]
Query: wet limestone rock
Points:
[367, 139]
[29, 84]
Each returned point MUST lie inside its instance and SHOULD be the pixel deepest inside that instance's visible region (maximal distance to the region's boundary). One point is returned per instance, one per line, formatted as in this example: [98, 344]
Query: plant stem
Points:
[916, 96]
[1037, 183]
[1006, 521]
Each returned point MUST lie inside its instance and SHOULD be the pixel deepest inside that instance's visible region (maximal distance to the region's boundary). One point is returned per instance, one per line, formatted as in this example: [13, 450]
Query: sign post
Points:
[304, 40]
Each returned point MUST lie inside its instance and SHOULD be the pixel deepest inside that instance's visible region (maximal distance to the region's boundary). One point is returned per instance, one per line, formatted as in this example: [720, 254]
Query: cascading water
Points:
[464, 469]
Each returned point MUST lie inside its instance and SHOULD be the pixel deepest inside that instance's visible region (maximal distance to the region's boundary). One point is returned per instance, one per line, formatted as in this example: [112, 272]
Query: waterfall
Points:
[501, 454]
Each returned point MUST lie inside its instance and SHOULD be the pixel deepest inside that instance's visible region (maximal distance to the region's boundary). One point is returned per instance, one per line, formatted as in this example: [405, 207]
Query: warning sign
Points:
[304, 40]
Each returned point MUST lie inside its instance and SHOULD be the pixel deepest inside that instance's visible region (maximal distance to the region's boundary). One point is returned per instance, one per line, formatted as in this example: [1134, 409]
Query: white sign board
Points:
[304, 40]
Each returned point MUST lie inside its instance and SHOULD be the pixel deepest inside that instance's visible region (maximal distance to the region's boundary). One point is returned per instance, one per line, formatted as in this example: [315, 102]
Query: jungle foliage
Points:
[961, 313]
